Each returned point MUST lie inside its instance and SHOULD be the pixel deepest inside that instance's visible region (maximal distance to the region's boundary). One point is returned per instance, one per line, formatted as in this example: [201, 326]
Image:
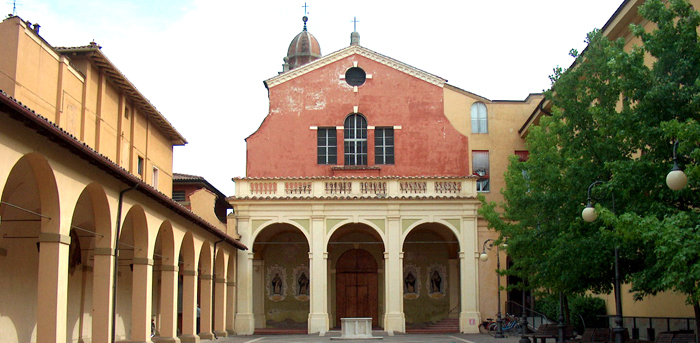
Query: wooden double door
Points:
[356, 286]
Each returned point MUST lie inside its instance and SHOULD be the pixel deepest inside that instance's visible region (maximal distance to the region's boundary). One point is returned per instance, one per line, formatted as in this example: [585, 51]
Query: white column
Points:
[469, 317]
[245, 319]
[318, 263]
[394, 318]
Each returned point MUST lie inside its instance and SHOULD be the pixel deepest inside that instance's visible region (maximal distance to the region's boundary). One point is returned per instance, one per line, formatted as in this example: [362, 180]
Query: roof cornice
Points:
[54, 133]
[355, 50]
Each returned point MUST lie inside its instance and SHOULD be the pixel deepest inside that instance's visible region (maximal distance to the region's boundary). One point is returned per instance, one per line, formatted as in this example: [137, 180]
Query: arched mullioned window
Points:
[480, 121]
[355, 139]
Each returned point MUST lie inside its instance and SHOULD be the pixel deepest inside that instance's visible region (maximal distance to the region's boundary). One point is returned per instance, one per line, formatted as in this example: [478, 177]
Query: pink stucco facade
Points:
[426, 143]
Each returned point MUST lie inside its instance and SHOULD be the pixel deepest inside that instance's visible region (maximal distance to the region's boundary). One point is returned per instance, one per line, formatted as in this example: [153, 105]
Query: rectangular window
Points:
[384, 145]
[179, 196]
[126, 113]
[327, 146]
[155, 177]
[480, 167]
[139, 166]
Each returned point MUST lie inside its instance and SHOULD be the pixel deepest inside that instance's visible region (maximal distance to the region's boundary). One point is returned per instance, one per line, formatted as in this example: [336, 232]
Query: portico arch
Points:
[204, 295]
[30, 221]
[89, 251]
[187, 290]
[431, 274]
[356, 253]
[134, 278]
[164, 288]
[282, 277]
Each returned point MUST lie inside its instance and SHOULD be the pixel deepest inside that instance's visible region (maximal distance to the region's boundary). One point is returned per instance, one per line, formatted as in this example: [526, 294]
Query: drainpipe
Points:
[116, 262]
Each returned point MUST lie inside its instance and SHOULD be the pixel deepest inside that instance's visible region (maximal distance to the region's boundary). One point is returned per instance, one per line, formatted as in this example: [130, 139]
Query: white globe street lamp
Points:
[676, 178]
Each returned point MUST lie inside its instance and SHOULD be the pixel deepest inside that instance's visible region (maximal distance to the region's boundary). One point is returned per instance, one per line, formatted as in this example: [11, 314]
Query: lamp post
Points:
[488, 244]
[523, 321]
[589, 215]
[676, 178]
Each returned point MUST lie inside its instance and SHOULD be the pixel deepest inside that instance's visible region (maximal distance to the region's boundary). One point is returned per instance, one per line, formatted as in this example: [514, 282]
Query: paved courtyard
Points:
[398, 338]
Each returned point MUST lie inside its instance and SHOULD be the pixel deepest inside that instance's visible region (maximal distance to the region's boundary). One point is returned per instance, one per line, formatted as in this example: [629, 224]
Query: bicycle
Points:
[484, 326]
[509, 324]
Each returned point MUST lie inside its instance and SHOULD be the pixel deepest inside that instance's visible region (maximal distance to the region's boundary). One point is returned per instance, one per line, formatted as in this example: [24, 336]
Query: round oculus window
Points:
[355, 76]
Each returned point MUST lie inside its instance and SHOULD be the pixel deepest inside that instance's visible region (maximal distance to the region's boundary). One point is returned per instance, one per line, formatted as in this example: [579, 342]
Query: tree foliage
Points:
[616, 114]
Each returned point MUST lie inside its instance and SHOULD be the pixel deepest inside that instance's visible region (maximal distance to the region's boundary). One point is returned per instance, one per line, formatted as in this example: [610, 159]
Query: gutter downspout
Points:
[116, 262]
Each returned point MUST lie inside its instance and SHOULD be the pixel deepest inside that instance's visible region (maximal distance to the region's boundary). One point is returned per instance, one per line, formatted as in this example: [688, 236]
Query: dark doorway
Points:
[356, 286]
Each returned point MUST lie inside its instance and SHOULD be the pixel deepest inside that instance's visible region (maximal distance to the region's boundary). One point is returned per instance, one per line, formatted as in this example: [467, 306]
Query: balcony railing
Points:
[380, 187]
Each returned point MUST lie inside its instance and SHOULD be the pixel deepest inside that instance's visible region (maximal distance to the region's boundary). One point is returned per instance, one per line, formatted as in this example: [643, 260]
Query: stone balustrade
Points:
[362, 187]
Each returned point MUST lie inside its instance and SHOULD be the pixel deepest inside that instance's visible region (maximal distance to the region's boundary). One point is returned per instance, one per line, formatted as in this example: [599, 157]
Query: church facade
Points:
[360, 198]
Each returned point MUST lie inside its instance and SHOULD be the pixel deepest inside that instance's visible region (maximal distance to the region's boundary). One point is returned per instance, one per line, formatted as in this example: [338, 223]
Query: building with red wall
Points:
[362, 183]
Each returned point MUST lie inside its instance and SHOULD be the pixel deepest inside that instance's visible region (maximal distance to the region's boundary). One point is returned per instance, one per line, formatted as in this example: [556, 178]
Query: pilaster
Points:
[168, 304]
[318, 262]
[189, 306]
[469, 317]
[205, 283]
[52, 302]
[141, 300]
[102, 281]
[220, 307]
[245, 320]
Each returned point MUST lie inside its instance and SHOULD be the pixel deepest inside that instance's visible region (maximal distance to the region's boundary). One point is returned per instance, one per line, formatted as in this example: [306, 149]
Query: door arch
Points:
[357, 286]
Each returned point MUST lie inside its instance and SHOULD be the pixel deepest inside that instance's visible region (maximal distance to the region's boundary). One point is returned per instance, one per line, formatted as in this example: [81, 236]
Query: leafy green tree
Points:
[616, 116]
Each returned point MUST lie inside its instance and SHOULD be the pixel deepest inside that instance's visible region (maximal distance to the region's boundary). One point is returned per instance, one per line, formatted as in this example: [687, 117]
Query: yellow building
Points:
[92, 246]
[637, 314]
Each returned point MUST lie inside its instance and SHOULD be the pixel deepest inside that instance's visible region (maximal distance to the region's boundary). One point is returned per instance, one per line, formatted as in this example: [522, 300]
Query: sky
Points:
[202, 63]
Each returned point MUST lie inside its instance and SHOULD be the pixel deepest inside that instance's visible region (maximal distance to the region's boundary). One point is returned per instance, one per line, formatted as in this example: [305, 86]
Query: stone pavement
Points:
[397, 338]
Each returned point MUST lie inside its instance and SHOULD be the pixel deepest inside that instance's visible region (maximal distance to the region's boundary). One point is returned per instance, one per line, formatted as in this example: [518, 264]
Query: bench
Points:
[675, 337]
[593, 335]
[545, 331]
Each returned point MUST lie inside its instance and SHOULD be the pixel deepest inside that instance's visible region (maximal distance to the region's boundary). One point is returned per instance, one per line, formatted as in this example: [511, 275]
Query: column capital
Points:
[189, 273]
[206, 277]
[141, 260]
[103, 251]
[220, 280]
[169, 268]
[47, 237]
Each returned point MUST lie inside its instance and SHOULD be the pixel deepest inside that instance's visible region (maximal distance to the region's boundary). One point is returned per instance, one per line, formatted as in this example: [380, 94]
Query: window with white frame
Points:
[355, 140]
[155, 177]
[384, 145]
[480, 121]
[480, 167]
[327, 145]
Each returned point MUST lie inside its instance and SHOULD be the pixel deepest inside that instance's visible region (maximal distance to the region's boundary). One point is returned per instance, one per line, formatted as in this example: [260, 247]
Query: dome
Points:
[303, 49]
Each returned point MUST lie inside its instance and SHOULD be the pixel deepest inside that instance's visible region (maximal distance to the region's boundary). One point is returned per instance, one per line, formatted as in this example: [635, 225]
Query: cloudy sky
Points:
[202, 63]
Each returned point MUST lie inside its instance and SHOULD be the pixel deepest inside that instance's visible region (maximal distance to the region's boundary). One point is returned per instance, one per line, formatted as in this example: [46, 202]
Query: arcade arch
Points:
[356, 275]
[431, 274]
[281, 264]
